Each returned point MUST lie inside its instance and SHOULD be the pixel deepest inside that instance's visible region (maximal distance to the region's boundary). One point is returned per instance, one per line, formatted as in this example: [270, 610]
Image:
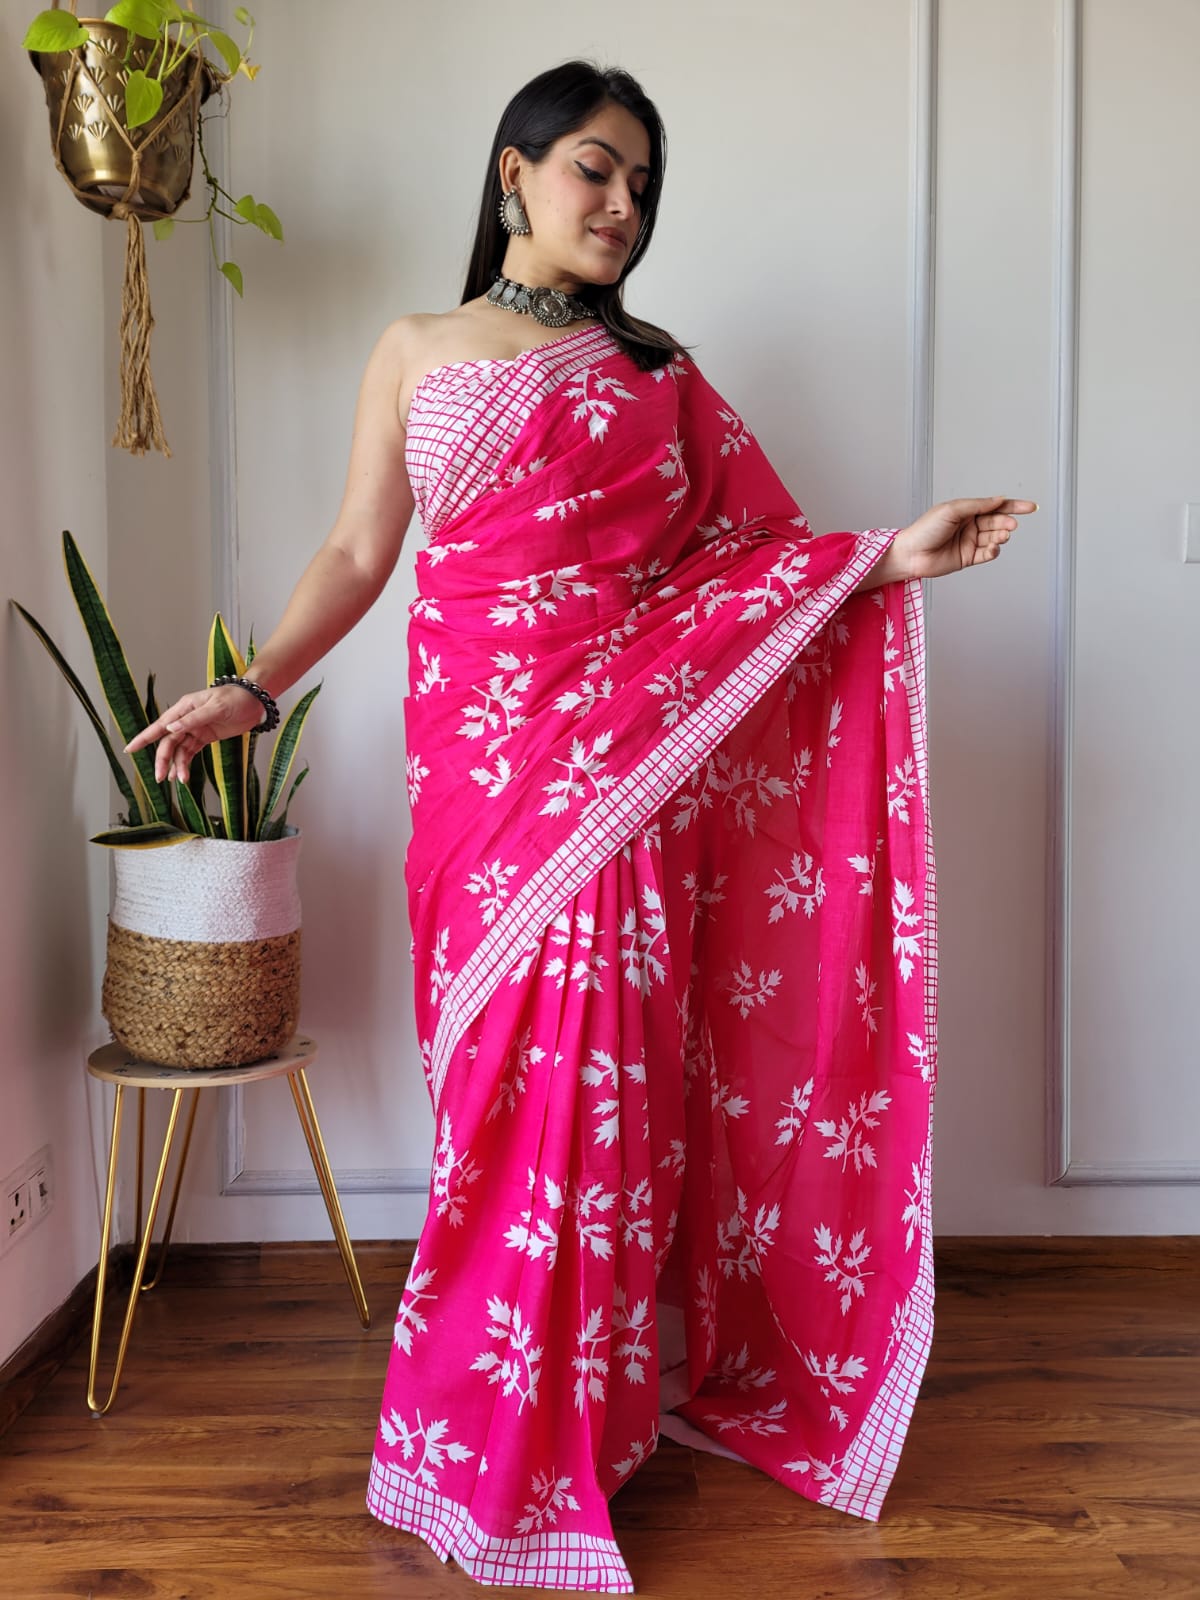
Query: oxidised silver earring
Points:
[512, 213]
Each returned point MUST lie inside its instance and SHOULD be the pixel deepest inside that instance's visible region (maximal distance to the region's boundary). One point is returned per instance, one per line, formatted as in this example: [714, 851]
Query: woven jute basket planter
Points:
[203, 964]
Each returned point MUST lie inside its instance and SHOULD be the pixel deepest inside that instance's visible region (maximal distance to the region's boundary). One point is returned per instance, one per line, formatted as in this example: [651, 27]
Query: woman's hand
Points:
[958, 534]
[195, 720]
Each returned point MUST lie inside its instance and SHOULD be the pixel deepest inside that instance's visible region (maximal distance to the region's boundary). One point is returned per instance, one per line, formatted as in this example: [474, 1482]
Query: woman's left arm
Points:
[948, 537]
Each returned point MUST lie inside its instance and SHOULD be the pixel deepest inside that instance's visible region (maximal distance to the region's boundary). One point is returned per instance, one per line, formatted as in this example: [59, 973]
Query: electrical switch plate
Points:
[1191, 532]
[28, 1196]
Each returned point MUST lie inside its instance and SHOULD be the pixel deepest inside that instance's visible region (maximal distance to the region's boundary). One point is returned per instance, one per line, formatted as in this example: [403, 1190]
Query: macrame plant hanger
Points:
[140, 425]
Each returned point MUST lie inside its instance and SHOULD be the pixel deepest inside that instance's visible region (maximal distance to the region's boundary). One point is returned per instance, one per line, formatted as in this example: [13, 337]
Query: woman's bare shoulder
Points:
[434, 334]
[413, 345]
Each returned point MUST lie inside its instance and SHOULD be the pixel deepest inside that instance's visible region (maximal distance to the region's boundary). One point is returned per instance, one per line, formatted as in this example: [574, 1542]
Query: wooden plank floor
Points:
[1054, 1451]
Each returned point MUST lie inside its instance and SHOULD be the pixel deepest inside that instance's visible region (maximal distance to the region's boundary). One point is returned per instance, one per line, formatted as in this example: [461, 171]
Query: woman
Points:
[670, 882]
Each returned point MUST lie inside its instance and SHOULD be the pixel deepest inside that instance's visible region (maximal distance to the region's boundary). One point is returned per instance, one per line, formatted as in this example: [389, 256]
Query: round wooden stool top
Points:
[115, 1064]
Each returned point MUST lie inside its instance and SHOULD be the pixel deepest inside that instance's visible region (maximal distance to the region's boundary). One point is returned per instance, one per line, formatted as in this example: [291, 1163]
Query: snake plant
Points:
[159, 813]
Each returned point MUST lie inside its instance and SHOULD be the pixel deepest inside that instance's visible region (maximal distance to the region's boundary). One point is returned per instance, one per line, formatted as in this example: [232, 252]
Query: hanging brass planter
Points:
[148, 171]
[133, 175]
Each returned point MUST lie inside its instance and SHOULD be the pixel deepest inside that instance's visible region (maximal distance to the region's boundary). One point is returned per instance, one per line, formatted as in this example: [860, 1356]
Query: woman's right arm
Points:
[340, 584]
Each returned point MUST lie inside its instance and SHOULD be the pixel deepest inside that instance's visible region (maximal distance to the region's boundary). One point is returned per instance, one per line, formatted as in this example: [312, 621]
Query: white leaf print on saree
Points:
[519, 1369]
[737, 436]
[538, 1240]
[440, 976]
[598, 411]
[434, 1446]
[523, 1056]
[410, 1319]
[741, 786]
[437, 553]
[847, 1135]
[415, 772]
[638, 1326]
[495, 782]
[791, 1127]
[742, 1243]
[584, 767]
[864, 995]
[764, 1421]
[897, 676]
[907, 932]
[452, 1174]
[725, 537]
[796, 889]
[433, 677]
[552, 1497]
[530, 598]
[736, 1370]
[640, 1450]
[845, 1263]
[496, 707]
[677, 689]
[559, 508]
[589, 1364]
[603, 1069]
[671, 466]
[581, 700]
[901, 789]
[779, 589]
[639, 936]
[490, 884]
[586, 971]
[747, 991]
[839, 1373]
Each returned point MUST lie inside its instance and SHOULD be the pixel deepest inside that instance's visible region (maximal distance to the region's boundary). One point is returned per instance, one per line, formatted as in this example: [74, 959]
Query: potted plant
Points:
[124, 94]
[203, 958]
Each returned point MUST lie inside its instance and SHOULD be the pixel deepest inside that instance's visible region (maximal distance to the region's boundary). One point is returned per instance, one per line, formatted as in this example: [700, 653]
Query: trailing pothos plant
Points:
[161, 813]
[179, 36]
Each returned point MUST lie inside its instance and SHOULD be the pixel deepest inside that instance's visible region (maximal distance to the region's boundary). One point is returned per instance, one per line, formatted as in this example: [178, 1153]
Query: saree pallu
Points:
[672, 899]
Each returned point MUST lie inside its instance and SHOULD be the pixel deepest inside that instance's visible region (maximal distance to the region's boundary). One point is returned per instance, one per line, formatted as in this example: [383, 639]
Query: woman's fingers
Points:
[168, 721]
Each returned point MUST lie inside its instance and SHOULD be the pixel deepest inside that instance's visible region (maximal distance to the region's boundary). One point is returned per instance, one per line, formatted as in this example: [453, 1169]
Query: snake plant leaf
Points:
[253, 791]
[193, 816]
[197, 779]
[277, 828]
[284, 754]
[116, 680]
[230, 756]
[81, 694]
[150, 836]
[151, 700]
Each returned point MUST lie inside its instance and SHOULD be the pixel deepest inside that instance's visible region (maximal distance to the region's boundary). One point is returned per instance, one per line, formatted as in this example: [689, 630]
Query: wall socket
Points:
[28, 1196]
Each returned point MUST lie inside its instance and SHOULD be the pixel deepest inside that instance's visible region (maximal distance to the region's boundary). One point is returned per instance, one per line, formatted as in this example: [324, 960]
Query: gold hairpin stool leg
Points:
[183, 1155]
[94, 1407]
[307, 1112]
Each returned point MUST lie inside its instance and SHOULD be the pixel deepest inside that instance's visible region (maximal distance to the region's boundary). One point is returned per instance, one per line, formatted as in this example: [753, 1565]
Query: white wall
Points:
[54, 787]
[789, 251]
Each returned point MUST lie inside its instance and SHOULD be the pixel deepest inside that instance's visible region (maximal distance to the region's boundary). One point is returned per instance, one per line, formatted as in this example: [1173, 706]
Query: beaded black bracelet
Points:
[257, 690]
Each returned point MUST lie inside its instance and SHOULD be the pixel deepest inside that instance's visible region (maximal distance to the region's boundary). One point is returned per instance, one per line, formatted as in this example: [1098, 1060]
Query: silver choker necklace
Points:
[551, 307]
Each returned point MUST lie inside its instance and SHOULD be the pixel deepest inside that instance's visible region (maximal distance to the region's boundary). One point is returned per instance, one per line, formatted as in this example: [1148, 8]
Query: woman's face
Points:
[583, 203]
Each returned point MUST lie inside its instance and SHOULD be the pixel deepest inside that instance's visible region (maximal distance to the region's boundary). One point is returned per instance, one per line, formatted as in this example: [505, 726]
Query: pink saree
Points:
[672, 899]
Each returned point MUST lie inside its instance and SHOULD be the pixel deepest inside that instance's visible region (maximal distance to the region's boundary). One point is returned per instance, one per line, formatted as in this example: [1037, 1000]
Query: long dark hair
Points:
[551, 105]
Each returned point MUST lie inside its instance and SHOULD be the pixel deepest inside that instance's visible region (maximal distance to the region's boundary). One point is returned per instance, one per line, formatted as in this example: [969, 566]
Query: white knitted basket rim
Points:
[213, 891]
